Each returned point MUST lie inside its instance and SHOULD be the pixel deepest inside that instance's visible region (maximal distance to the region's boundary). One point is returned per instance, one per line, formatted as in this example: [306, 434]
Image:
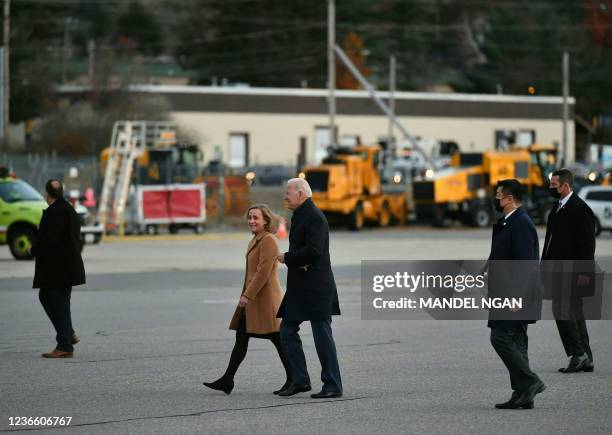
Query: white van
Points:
[599, 198]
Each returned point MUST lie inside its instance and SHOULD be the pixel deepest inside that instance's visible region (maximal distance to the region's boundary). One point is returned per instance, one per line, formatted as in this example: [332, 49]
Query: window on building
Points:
[526, 138]
[238, 150]
[322, 139]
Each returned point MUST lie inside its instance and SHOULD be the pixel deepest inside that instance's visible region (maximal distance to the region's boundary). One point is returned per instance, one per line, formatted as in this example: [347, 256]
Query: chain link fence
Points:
[77, 172]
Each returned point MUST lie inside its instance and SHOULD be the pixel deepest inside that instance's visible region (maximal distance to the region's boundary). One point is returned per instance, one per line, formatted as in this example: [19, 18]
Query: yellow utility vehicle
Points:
[466, 189]
[347, 188]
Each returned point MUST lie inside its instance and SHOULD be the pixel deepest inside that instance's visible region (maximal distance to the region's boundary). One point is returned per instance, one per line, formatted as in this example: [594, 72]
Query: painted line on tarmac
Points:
[175, 238]
[175, 355]
[197, 414]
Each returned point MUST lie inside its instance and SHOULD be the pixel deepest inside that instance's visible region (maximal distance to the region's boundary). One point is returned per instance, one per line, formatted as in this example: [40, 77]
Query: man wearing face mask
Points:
[570, 235]
[513, 265]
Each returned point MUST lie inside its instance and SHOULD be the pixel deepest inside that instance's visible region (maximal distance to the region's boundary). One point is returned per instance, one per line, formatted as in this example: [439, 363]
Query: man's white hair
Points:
[301, 185]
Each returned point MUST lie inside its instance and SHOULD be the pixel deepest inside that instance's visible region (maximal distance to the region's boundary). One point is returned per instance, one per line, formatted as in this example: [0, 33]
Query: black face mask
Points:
[554, 192]
[498, 205]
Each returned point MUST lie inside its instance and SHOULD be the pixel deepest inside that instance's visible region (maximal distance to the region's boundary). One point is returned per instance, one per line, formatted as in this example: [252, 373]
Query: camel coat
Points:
[261, 287]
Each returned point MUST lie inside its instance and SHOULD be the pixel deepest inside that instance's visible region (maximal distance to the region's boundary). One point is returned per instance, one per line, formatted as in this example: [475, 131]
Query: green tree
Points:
[139, 28]
[524, 44]
[264, 43]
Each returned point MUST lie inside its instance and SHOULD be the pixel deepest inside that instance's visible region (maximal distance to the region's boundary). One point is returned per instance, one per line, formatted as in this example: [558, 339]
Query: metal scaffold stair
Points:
[129, 140]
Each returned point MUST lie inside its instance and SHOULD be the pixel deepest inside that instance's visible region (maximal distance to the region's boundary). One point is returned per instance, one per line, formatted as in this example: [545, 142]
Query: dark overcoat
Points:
[569, 248]
[514, 270]
[311, 289]
[57, 249]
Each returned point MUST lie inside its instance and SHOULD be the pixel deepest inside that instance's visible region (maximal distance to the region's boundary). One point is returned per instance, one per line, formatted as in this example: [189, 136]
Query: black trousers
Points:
[242, 344]
[326, 351]
[56, 303]
[512, 344]
[572, 326]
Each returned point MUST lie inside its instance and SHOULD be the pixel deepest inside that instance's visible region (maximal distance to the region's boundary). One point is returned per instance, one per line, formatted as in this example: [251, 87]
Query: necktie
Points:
[559, 206]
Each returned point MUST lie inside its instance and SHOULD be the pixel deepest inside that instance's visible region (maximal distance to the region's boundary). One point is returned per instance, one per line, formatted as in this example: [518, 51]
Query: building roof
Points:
[348, 102]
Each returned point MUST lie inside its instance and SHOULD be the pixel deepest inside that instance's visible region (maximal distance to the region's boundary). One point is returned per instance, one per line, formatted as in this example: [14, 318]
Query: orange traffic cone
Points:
[90, 199]
[281, 233]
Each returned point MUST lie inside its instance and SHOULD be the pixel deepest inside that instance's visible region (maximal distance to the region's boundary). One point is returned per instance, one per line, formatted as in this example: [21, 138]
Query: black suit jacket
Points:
[570, 235]
[311, 289]
[514, 269]
[574, 232]
[57, 249]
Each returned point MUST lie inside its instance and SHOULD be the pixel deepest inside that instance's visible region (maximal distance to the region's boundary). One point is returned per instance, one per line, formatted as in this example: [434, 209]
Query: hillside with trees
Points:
[476, 46]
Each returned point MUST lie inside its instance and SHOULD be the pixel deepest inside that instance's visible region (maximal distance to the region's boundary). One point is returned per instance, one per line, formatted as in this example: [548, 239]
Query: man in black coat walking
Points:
[58, 266]
[570, 235]
[514, 271]
[311, 293]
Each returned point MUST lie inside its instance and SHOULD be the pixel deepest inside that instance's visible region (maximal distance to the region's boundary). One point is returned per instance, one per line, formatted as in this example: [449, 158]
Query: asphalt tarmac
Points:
[153, 321]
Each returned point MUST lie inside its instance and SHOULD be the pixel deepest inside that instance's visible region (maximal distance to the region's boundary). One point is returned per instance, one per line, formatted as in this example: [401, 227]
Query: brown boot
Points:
[56, 353]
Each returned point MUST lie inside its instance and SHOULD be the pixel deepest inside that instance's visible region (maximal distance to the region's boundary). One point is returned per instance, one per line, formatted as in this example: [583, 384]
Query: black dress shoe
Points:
[283, 388]
[326, 394]
[527, 396]
[221, 385]
[512, 405]
[294, 389]
[576, 364]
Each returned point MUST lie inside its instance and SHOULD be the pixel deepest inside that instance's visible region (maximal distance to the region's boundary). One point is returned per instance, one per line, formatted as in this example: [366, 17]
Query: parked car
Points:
[599, 198]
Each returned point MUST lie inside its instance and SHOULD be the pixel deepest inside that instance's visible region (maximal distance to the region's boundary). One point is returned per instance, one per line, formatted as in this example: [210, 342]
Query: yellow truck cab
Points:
[21, 208]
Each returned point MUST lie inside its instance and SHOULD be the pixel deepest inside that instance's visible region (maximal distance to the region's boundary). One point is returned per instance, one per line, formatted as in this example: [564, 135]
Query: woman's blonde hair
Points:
[270, 218]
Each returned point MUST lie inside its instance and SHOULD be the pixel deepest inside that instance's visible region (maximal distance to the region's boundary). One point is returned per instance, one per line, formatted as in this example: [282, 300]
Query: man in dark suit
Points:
[311, 293]
[515, 239]
[59, 266]
[570, 235]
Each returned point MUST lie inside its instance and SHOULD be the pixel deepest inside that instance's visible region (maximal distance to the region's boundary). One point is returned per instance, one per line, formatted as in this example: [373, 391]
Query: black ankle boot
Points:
[221, 385]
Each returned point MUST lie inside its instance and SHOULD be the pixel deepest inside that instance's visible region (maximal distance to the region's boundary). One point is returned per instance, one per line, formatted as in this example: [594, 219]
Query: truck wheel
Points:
[198, 229]
[384, 217]
[356, 218]
[20, 239]
[151, 230]
[597, 227]
[173, 228]
[481, 216]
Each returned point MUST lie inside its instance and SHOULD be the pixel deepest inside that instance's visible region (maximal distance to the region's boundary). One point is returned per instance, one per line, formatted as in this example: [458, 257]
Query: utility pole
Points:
[6, 78]
[331, 69]
[392, 67]
[67, 48]
[379, 102]
[564, 142]
[91, 61]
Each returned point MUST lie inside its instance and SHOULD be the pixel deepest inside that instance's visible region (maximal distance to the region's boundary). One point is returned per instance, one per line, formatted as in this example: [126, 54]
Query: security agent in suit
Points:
[311, 293]
[515, 238]
[570, 235]
[58, 266]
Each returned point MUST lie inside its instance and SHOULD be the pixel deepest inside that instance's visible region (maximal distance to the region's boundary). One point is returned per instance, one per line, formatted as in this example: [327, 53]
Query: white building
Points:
[266, 125]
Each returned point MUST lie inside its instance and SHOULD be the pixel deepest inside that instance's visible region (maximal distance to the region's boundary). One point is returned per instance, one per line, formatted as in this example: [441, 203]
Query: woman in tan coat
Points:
[255, 315]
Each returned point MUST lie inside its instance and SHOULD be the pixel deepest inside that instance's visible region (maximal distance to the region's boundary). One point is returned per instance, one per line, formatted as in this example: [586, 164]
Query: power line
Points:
[484, 4]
